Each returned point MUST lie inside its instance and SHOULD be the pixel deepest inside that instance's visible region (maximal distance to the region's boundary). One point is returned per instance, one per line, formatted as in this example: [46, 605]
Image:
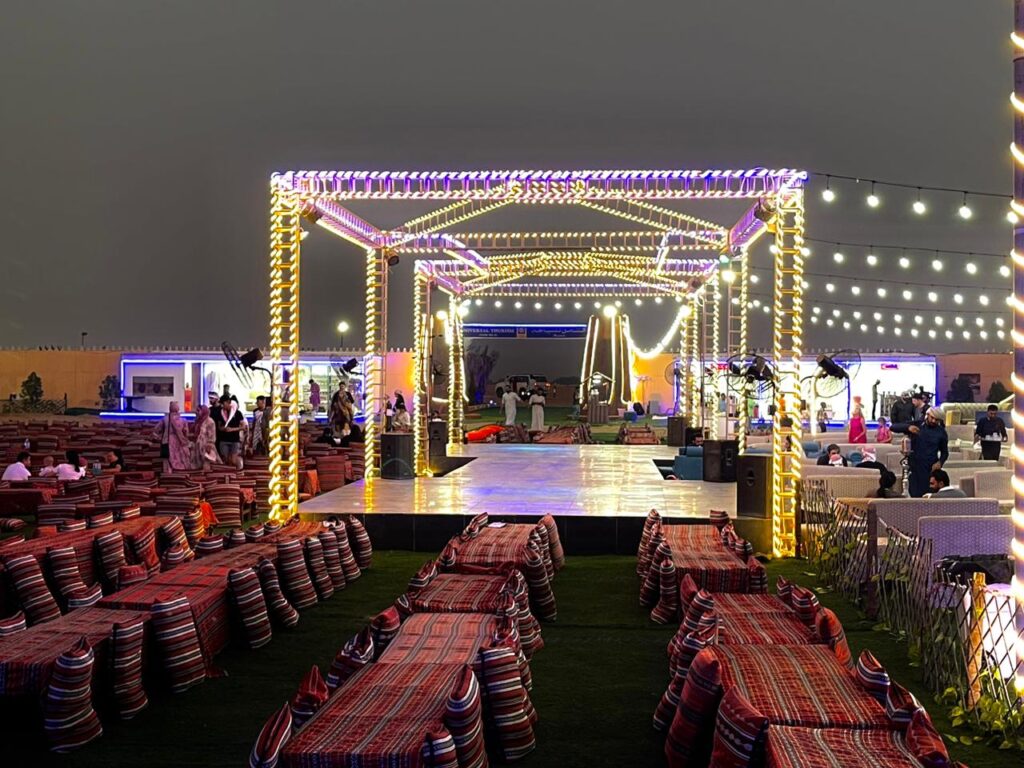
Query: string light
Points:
[838, 257]
[855, 290]
[479, 302]
[657, 299]
[914, 332]
[882, 293]
[904, 262]
[497, 304]
[949, 334]
[830, 287]
[577, 305]
[1004, 271]
[558, 305]
[933, 296]
[919, 207]
[846, 324]
[931, 333]
[965, 210]
[827, 194]
[873, 201]
[638, 302]
[939, 320]
[958, 298]
[937, 265]
[518, 305]
[971, 267]
[983, 300]
[538, 305]
[856, 315]
[872, 260]
[918, 319]
[908, 294]
[877, 315]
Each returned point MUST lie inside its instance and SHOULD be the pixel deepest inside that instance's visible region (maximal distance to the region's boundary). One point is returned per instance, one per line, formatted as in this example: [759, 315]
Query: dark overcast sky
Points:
[136, 138]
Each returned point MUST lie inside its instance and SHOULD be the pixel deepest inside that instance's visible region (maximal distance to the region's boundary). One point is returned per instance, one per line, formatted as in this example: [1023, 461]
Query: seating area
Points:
[144, 603]
[752, 675]
[440, 678]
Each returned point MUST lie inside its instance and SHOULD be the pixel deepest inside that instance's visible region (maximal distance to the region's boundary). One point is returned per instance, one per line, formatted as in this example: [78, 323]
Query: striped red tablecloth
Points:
[433, 638]
[814, 747]
[460, 593]
[380, 718]
[27, 657]
[497, 545]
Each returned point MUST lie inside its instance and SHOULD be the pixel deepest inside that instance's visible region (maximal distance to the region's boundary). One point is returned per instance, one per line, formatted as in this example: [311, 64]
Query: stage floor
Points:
[563, 480]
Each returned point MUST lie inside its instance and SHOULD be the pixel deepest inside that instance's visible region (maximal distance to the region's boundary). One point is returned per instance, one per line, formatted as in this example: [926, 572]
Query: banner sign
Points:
[526, 331]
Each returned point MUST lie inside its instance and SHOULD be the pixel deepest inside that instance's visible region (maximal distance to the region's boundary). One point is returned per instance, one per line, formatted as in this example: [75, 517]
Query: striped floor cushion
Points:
[236, 538]
[464, 719]
[362, 548]
[554, 542]
[280, 609]
[209, 545]
[174, 632]
[64, 569]
[295, 579]
[31, 590]
[143, 548]
[174, 533]
[508, 702]
[332, 558]
[272, 738]
[251, 604]
[318, 567]
[13, 624]
[353, 656]
[126, 668]
[173, 556]
[110, 546]
[795, 747]
[312, 694]
[348, 559]
[254, 532]
[84, 597]
[68, 715]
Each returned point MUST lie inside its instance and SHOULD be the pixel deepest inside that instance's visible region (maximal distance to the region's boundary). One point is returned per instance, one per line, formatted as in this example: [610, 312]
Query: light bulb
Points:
[463, 310]
[537, 305]
[880, 329]
[1000, 322]
[864, 327]
[558, 305]
[918, 319]
[920, 208]
[872, 260]
[856, 315]
[766, 309]
[983, 334]
[828, 195]
[756, 303]
[846, 325]
[838, 257]
[577, 305]
[728, 275]
[933, 296]
[914, 332]
[609, 310]
[816, 310]
[1012, 217]
[959, 321]
[637, 302]
[597, 304]
[882, 293]
[805, 284]
[755, 279]
[518, 305]
[1001, 334]
[1009, 300]
[836, 312]
[735, 299]
[967, 334]
[904, 262]
[830, 287]
[897, 318]
[949, 334]
[873, 200]
[773, 249]
[497, 303]
[657, 299]
[958, 298]
[965, 212]
[939, 320]
[479, 302]
[898, 331]
[829, 322]
[877, 315]
[979, 321]
[442, 315]
[937, 265]
[618, 303]
[814, 319]
[983, 300]
[908, 294]
[971, 267]
[855, 290]
[1004, 271]
[931, 333]
[805, 251]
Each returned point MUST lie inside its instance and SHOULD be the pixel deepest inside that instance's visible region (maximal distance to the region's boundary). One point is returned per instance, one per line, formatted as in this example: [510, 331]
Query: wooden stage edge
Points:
[598, 494]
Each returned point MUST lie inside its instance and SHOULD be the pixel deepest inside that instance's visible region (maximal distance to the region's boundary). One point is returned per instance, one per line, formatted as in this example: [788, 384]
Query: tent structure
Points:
[671, 254]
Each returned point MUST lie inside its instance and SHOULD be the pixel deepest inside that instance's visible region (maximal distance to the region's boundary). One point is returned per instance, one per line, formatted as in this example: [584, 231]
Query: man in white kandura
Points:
[537, 410]
[509, 400]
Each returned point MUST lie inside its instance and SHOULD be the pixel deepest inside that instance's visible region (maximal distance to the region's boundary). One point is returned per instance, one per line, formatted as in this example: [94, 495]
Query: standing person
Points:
[206, 440]
[229, 432]
[226, 393]
[260, 433]
[19, 470]
[537, 411]
[858, 427]
[389, 413]
[920, 406]
[175, 448]
[991, 432]
[337, 418]
[509, 401]
[883, 435]
[314, 396]
[399, 400]
[874, 399]
[823, 417]
[902, 411]
[929, 449]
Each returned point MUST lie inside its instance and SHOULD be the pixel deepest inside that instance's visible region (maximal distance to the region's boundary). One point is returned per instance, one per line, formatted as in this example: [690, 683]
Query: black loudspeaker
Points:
[753, 485]
[720, 461]
[437, 438]
[677, 430]
[396, 462]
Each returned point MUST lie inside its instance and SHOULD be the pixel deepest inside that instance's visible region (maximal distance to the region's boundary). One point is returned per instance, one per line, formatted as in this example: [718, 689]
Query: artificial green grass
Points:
[596, 682]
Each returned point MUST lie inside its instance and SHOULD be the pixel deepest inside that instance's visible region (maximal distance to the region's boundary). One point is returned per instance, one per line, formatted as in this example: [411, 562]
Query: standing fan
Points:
[343, 368]
[242, 365]
[834, 373]
[750, 375]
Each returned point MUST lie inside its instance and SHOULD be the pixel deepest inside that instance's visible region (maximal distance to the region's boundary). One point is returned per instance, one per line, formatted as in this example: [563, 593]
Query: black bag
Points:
[165, 451]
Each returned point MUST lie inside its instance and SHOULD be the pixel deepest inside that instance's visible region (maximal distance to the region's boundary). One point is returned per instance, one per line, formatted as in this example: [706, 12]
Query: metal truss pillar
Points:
[283, 449]
[423, 371]
[787, 349]
[376, 351]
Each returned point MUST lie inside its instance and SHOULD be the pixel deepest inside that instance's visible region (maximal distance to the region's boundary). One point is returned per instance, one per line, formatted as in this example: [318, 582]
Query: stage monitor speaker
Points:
[677, 430]
[720, 461]
[396, 460]
[754, 485]
[437, 437]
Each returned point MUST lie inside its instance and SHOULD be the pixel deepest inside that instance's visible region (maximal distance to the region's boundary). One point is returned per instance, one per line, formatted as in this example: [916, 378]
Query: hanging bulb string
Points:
[884, 281]
[920, 310]
[911, 249]
[903, 185]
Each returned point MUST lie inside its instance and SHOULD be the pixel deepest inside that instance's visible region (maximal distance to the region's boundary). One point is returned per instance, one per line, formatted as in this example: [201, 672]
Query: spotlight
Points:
[250, 358]
[442, 315]
[393, 259]
[765, 210]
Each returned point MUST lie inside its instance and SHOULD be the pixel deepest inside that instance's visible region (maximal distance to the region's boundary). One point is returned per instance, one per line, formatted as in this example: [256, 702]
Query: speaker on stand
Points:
[677, 430]
[437, 438]
[396, 459]
[720, 461]
[754, 500]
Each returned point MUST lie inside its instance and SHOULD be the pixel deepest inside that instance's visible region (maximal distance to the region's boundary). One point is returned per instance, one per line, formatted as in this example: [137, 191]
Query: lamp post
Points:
[343, 327]
[84, 334]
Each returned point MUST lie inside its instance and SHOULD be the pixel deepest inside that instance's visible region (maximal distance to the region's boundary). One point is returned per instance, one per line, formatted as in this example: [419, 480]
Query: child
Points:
[48, 470]
[883, 435]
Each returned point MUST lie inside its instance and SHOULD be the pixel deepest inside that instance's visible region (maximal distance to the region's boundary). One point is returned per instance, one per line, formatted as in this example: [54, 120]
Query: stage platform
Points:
[599, 495]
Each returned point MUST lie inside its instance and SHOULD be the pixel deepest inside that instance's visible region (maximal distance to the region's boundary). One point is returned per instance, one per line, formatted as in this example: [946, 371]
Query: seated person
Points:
[327, 437]
[19, 469]
[833, 456]
[49, 468]
[402, 421]
[938, 483]
[71, 469]
[113, 461]
[886, 483]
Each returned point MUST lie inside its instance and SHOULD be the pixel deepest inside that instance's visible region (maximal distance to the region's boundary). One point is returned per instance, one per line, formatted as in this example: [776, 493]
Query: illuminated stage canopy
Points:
[671, 254]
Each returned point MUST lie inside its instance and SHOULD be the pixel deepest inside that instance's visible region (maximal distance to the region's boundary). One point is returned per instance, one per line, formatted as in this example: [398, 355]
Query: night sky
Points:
[137, 139]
